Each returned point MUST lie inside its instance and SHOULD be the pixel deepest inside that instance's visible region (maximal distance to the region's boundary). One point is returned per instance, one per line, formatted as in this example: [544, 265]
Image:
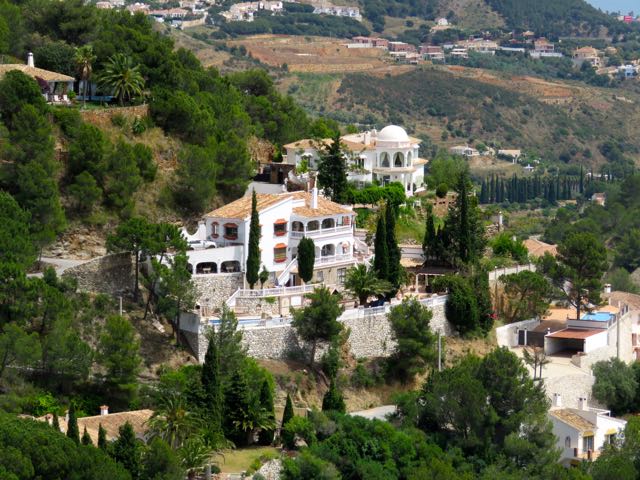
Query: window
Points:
[610, 439]
[215, 229]
[567, 442]
[280, 227]
[342, 274]
[587, 443]
[313, 225]
[230, 231]
[398, 159]
[384, 160]
[280, 253]
[320, 276]
[328, 223]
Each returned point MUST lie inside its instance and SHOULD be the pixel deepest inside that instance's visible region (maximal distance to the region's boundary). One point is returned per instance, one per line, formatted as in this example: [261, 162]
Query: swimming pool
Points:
[597, 316]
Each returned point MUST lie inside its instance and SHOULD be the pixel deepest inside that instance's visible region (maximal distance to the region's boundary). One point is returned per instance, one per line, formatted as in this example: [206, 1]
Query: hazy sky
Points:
[617, 5]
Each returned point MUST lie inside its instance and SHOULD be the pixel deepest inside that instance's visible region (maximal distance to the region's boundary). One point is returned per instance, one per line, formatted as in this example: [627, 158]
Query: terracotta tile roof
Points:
[110, 422]
[538, 248]
[624, 298]
[574, 333]
[569, 417]
[241, 208]
[34, 72]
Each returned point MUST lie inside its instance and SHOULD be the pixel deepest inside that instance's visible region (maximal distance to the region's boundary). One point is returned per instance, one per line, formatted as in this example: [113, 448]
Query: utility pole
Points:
[439, 351]
[120, 299]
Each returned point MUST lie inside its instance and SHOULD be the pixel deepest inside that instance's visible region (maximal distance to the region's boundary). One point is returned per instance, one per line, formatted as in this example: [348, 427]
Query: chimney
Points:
[607, 288]
[557, 400]
[30, 62]
[314, 198]
[374, 133]
[104, 410]
[367, 137]
[582, 404]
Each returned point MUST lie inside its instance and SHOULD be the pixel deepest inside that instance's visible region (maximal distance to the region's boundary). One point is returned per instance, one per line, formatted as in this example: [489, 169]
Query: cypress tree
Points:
[429, 240]
[483, 192]
[381, 258]
[492, 190]
[551, 195]
[464, 228]
[332, 171]
[306, 258]
[392, 249]
[238, 403]
[581, 187]
[265, 437]
[72, 425]
[253, 255]
[333, 400]
[102, 438]
[125, 450]
[56, 422]
[212, 385]
[86, 439]
[288, 411]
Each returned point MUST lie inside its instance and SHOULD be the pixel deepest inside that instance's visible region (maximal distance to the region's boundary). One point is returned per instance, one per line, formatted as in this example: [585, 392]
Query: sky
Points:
[623, 6]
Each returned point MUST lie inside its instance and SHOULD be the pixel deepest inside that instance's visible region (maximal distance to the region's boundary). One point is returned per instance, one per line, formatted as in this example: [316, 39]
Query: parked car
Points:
[197, 244]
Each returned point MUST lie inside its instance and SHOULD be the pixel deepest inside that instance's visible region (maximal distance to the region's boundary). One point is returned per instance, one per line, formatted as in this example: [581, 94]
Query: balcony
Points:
[321, 232]
[347, 257]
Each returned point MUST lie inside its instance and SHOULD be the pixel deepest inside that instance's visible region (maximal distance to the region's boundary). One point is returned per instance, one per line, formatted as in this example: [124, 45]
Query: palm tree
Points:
[122, 78]
[172, 422]
[363, 282]
[195, 455]
[84, 58]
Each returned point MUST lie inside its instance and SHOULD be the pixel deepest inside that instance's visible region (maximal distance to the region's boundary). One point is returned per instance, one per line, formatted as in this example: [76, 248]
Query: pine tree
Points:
[381, 258]
[333, 400]
[86, 439]
[125, 450]
[306, 258]
[288, 411]
[464, 229]
[212, 385]
[265, 436]
[72, 425]
[56, 422]
[395, 269]
[102, 438]
[253, 255]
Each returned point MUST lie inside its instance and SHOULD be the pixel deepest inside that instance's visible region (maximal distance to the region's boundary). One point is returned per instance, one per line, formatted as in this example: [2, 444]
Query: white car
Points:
[199, 244]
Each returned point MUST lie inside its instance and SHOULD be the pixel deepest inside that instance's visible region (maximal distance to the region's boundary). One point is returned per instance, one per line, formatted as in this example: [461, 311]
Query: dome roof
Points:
[392, 133]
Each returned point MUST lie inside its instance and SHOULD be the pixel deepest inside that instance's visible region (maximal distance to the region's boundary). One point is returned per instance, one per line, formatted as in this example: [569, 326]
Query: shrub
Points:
[118, 120]
[442, 190]
[298, 427]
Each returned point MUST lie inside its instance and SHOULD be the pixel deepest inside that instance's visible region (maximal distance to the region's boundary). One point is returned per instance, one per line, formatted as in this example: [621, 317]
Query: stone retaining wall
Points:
[370, 336]
[102, 116]
[110, 274]
[216, 288]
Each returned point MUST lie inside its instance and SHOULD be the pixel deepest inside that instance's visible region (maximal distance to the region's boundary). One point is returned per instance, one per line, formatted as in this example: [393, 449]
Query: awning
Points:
[280, 221]
[280, 245]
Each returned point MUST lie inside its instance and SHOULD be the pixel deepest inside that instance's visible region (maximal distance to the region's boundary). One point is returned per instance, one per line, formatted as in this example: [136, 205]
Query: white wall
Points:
[561, 430]
[507, 335]
[596, 341]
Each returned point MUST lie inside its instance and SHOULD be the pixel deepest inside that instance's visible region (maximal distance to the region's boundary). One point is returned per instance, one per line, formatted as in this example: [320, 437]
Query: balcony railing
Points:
[322, 231]
[334, 259]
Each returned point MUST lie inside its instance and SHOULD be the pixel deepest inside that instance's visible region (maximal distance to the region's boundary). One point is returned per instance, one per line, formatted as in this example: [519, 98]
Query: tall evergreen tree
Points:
[237, 403]
[581, 187]
[86, 439]
[212, 385]
[306, 258]
[429, 240]
[288, 411]
[333, 399]
[102, 438]
[381, 259]
[126, 450]
[253, 255]
[56, 423]
[484, 192]
[266, 435]
[332, 171]
[393, 251]
[72, 425]
[464, 228]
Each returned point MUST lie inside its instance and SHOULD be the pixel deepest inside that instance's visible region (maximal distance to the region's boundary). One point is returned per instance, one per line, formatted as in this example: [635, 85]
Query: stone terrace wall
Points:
[370, 336]
[111, 274]
[102, 117]
[216, 288]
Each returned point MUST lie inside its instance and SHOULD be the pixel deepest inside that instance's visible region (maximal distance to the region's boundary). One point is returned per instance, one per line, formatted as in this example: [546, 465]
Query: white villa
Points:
[583, 432]
[222, 238]
[389, 155]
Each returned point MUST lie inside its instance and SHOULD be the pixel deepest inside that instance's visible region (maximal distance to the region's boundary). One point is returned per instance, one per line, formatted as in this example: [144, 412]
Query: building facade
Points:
[389, 155]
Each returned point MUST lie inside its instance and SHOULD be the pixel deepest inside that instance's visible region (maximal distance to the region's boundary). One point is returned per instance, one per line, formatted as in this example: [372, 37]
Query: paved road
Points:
[377, 413]
[59, 264]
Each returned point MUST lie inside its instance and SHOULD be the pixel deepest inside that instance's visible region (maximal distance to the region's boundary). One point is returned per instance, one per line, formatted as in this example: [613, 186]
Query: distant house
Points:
[599, 198]
[542, 48]
[374, 42]
[339, 11]
[400, 48]
[537, 248]
[587, 54]
[459, 52]
[442, 22]
[54, 86]
[627, 71]
[582, 433]
[488, 47]
[432, 52]
[137, 7]
[465, 151]
[514, 155]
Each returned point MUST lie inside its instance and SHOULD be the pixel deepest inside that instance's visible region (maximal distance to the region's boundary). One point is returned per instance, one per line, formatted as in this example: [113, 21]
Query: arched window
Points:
[328, 223]
[297, 226]
[313, 225]
[328, 250]
[398, 160]
[384, 160]
[567, 442]
[206, 267]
